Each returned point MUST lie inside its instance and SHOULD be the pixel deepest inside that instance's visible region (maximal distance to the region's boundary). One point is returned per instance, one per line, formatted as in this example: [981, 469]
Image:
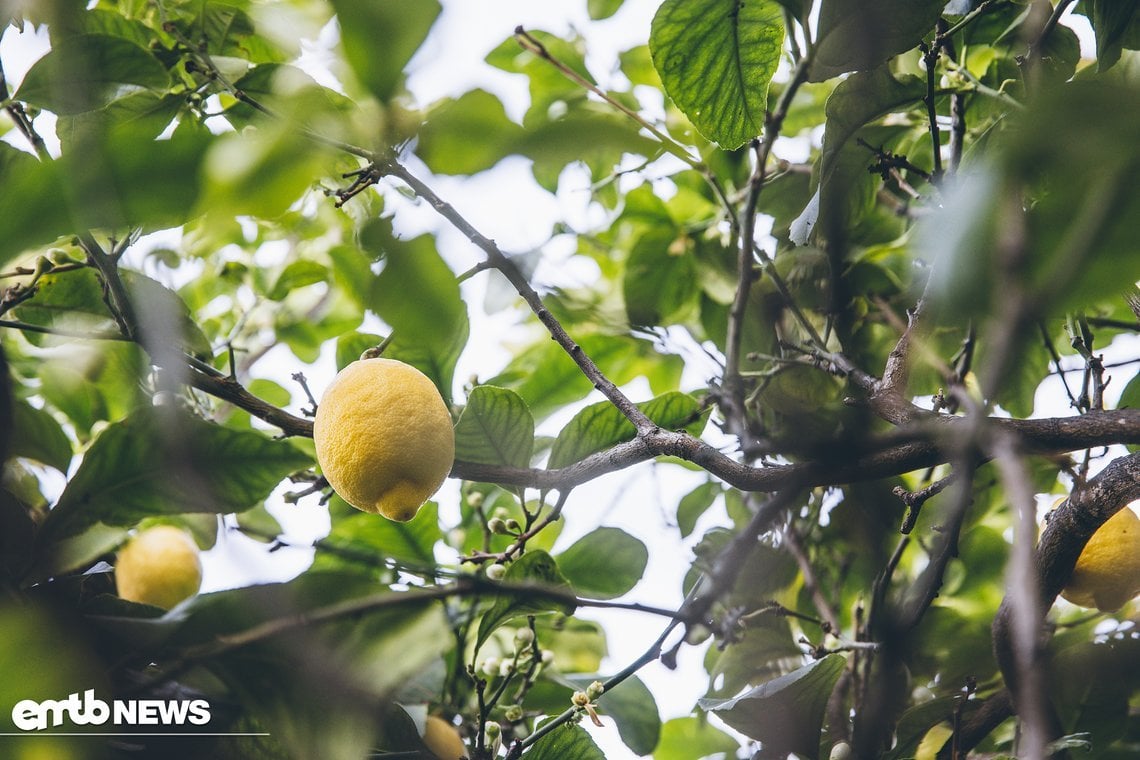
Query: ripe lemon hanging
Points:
[1107, 574]
[443, 740]
[159, 566]
[384, 437]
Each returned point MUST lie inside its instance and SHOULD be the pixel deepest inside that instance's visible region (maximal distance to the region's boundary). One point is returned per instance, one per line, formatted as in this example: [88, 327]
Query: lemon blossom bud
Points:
[506, 667]
[594, 690]
[496, 572]
[579, 699]
[547, 657]
[513, 526]
[493, 734]
[497, 526]
[514, 713]
[475, 499]
[490, 666]
[524, 637]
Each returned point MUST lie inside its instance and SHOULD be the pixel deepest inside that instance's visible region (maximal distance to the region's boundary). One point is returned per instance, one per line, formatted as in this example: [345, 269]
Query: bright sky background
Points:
[506, 205]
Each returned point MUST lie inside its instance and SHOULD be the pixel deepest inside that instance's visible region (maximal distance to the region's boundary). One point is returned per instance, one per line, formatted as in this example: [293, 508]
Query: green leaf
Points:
[660, 279]
[159, 463]
[854, 35]
[918, 720]
[1116, 25]
[93, 382]
[89, 72]
[495, 428]
[401, 26]
[36, 435]
[534, 567]
[693, 505]
[350, 346]
[716, 59]
[786, 713]
[1130, 396]
[686, 738]
[412, 541]
[633, 708]
[567, 742]
[416, 293]
[600, 426]
[445, 143]
[146, 114]
[297, 274]
[601, 9]
[605, 563]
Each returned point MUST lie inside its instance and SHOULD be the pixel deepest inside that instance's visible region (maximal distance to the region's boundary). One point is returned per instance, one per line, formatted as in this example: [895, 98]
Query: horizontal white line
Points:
[59, 733]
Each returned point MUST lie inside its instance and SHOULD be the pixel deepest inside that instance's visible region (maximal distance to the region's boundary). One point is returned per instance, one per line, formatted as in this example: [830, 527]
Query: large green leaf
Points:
[855, 35]
[716, 59]
[160, 462]
[1117, 26]
[380, 36]
[786, 713]
[535, 567]
[630, 704]
[693, 505]
[605, 563]
[36, 435]
[495, 428]
[445, 143]
[568, 742]
[416, 293]
[364, 535]
[686, 738]
[661, 278]
[88, 72]
[600, 426]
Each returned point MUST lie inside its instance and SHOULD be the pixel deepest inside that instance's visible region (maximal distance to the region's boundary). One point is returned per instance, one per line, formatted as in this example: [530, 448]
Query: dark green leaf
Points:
[568, 742]
[600, 426]
[918, 720]
[716, 59]
[36, 435]
[535, 567]
[155, 463]
[686, 738]
[401, 26]
[854, 36]
[89, 72]
[495, 428]
[605, 563]
[1116, 24]
[786, 713]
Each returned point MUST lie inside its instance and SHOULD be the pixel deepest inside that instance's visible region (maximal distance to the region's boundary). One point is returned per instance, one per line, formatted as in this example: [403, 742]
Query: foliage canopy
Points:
[888, 224]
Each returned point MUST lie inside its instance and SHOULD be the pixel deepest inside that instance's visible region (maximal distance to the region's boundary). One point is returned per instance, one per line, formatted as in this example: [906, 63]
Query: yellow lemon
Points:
[1107, 574]
[443, 740]
[159, 566]
[384, 437]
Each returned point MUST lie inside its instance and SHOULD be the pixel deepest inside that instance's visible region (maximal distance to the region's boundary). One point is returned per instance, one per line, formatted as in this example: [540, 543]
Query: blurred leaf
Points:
[93, 382]
[535, 567]
[402, 27]
[660, 278]
[605, 563]
[918, 720]
[350, 346]
[297, 274]
[89, 72]
[601, 9]
[786, 713]
[600, 426]
[716, 59]
[259, 524]
[694, 504]
[568, 742]
[146, 114]
[36, 435]
[853, 36]
[689, 737]
[445, 143]
[155, 463]
[495, 428]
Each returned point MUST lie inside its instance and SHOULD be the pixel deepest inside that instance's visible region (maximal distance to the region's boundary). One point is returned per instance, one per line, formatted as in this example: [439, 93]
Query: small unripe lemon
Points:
[159, 566]
[443, 740]
[1107, 574]
[384, 438]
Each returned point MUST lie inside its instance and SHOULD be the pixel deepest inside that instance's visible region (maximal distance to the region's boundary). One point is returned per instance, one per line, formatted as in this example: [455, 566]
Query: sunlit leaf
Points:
[716, 59]
[854, 36]
[605, 563]
[495, 428]
[402, 27]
